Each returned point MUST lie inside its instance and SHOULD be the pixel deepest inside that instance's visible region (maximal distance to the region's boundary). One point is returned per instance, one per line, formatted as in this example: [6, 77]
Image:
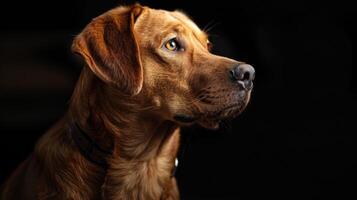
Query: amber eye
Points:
[172, 45]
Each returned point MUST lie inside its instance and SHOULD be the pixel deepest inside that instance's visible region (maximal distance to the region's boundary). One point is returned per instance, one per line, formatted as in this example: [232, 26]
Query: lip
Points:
[183, 118]
[221, 113]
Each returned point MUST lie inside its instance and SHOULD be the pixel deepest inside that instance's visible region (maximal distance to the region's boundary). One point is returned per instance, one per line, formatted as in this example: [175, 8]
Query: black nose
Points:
[243, 74]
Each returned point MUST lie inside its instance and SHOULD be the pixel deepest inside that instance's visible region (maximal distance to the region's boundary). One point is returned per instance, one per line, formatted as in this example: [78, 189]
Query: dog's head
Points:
[163, 58]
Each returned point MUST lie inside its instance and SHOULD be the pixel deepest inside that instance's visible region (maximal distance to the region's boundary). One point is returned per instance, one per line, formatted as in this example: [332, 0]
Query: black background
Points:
[296, 139]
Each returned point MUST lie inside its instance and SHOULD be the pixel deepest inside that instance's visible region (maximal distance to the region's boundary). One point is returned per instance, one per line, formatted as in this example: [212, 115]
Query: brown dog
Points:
[147, 73]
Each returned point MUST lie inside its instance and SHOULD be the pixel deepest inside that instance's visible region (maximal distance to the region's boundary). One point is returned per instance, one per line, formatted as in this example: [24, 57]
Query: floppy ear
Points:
[109, 48]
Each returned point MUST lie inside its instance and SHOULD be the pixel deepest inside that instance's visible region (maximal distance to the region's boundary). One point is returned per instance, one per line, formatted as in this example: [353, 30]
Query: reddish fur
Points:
[127, 95]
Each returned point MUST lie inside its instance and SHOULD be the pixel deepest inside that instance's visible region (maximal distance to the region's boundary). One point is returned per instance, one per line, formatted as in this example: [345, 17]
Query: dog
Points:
[147, 72]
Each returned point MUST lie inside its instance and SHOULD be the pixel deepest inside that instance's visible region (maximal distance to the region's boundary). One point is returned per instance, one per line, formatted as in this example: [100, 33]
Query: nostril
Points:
[246, 76]
[232, 75]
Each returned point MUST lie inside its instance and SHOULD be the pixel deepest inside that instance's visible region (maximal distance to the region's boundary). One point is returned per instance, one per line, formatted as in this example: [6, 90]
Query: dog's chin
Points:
[230, 112]
[211, 118]
[209, 123]
[213, 122]
[186, 120]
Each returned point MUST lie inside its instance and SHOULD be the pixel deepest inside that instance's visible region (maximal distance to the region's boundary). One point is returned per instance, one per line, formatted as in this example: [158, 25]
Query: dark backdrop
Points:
[296, 139]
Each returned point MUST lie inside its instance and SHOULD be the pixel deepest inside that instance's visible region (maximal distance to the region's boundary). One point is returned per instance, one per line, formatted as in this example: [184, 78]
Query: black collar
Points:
[88, 147]
[92, 151]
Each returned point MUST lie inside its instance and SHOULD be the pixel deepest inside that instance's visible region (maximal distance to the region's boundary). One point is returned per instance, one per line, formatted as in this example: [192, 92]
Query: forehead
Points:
[154, 21]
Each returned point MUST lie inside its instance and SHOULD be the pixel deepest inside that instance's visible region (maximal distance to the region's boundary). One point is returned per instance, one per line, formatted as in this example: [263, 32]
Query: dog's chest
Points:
[140, 180]
[144, 179]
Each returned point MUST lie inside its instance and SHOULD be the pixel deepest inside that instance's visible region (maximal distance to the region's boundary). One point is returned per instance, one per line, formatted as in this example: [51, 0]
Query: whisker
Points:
[210, 26]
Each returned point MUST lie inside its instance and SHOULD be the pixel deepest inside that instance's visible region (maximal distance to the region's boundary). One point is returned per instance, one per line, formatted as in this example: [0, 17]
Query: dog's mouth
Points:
[210, 117]
[184, 118]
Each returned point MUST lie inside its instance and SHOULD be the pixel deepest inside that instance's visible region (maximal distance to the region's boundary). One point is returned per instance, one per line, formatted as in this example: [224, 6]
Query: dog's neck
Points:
[145, 145]
[137, 132]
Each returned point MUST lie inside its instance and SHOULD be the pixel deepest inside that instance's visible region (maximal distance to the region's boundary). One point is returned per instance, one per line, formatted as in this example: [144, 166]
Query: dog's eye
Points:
[172, 45]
